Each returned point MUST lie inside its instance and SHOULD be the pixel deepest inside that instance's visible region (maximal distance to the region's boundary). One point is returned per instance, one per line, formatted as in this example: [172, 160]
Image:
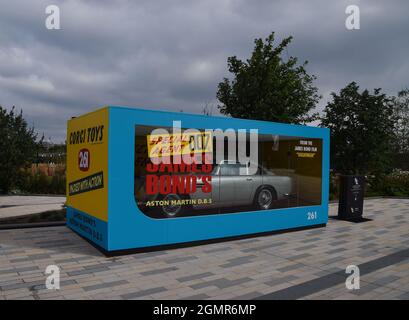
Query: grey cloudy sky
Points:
[170, 55]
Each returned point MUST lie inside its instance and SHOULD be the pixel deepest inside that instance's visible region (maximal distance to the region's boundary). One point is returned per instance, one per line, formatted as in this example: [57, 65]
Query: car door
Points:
[226, 184]
[235, 189]
[253, 181]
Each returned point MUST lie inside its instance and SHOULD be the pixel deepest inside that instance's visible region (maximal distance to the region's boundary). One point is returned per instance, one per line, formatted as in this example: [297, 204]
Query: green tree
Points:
[362, 131]
[401, 109]
[268, 87]
[18, 148]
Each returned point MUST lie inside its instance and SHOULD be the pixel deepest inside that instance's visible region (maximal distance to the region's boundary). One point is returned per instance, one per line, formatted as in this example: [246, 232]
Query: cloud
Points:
[171, 55]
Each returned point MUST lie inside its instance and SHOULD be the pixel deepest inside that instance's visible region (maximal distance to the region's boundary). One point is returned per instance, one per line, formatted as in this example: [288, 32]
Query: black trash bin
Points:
[351, 198]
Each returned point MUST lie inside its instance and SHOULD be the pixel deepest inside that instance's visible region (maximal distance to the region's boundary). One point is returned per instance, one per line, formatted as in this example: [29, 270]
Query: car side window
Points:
[232, 169]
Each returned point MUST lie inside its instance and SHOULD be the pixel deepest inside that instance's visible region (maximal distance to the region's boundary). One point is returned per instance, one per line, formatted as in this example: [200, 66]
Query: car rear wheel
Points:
[265, 198]
[172, 206]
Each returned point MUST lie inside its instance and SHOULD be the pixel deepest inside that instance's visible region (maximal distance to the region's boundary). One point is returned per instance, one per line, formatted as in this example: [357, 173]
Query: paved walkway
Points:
[306, 264]
[14, 206]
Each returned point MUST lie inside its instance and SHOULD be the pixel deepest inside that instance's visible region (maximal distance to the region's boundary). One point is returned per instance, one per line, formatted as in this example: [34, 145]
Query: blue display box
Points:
[116, 200]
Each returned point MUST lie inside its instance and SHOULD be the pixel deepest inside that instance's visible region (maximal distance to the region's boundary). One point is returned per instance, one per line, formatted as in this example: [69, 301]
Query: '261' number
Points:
[312, 215]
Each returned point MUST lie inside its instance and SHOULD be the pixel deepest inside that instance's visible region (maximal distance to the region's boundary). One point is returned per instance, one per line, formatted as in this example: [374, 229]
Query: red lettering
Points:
[207, 168]
[165, 184]
[207, 185]
[151, 167]
[151, 184]
[178, 184]
[166, 167]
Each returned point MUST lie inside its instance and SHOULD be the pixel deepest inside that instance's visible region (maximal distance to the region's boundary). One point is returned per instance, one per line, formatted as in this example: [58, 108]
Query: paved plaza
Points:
[308, 264]
[17, 206]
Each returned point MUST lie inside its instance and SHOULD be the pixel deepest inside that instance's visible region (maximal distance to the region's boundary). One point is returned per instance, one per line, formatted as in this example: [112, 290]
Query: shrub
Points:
[397, 183]
[392, 184]
[39, 183]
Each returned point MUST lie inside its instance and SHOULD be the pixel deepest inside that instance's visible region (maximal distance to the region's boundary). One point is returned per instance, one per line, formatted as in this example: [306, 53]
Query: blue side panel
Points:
[325, 170]
[129, 228]
[88, 226]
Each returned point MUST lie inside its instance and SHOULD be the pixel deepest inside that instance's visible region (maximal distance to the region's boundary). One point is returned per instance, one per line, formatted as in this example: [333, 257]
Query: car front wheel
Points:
[171, 206]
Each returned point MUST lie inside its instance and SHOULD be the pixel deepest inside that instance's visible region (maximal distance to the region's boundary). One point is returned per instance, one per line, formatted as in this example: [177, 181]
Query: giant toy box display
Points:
[140, 179]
